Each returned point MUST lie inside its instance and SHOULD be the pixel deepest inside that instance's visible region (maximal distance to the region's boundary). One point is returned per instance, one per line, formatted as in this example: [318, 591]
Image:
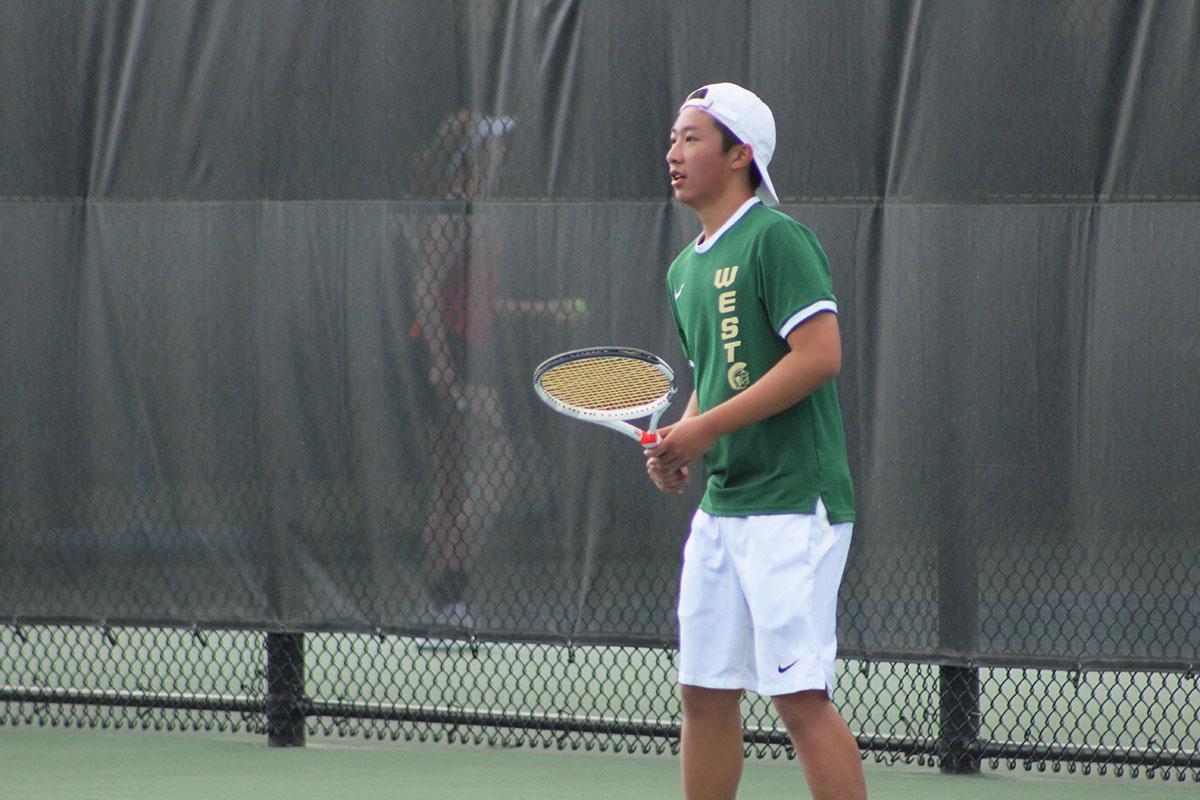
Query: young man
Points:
[757, 318]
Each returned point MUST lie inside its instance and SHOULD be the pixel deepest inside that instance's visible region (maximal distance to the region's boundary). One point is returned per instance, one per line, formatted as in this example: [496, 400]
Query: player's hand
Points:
[669, 482]
[680, 444]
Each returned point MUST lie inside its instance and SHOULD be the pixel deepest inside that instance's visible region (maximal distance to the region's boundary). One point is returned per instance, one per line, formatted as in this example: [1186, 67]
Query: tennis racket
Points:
[608, 386]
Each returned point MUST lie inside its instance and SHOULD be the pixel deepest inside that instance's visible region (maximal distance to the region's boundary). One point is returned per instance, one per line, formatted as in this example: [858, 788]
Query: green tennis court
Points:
[52, 763]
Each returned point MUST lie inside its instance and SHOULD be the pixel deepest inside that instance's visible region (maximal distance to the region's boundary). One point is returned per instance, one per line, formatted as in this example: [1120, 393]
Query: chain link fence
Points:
[579, 697]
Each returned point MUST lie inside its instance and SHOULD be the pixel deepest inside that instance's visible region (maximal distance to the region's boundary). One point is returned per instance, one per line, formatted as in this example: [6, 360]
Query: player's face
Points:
[697, 166]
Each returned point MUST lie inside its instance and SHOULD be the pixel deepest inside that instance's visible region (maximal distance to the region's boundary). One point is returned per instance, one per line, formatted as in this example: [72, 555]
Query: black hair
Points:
[729, 140]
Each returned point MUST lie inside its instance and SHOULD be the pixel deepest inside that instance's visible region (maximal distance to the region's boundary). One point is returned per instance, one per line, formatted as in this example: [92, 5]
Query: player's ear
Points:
[743, 156]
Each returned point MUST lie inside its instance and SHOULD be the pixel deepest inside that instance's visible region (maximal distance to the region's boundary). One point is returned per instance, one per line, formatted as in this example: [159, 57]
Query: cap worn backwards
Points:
[748, 118]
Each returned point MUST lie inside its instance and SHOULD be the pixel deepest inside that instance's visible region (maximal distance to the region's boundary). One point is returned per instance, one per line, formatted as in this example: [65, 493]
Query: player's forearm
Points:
[793, 378]
[692, 409]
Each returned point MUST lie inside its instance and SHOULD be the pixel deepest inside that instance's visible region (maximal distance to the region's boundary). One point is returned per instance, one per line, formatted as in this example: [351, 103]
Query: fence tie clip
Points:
[199, 636]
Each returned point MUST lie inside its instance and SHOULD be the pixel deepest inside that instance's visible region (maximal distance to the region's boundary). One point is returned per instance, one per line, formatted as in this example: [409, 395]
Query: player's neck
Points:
[715, 214]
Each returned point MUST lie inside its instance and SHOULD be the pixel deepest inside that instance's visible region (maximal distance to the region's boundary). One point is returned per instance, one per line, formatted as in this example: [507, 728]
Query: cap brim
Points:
[766, 190]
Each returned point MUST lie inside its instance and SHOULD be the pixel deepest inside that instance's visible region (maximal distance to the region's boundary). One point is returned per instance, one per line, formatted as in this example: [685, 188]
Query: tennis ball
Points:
[579, 305]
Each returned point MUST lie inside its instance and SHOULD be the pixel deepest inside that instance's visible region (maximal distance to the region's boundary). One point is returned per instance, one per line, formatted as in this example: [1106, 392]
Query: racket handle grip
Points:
[649, 437]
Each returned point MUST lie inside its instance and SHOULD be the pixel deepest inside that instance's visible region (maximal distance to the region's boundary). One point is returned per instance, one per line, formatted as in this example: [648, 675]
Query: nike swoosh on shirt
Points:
[679, 291]
[789, 666]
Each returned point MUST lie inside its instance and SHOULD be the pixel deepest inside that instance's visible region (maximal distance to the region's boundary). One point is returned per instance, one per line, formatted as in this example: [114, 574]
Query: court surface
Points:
[54, 763]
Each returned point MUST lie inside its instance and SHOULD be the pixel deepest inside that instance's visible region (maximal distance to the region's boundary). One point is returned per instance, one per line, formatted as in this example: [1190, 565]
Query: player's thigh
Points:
[715, 636]
[792, 568]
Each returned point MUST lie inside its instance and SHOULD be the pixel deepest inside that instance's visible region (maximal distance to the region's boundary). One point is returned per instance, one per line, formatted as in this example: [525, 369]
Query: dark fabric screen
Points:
[235, 390]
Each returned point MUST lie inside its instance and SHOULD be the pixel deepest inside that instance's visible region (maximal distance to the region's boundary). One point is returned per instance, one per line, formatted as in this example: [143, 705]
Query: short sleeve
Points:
[793, 276]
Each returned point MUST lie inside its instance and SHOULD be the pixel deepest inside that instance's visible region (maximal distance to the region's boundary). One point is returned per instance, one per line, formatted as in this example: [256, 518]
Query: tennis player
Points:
[753, 302]
[458, 251]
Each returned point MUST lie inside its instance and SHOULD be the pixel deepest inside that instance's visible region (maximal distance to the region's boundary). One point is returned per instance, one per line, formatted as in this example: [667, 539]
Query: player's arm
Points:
[429, 287]
[814, 357]
[672, 480]
[691, 410]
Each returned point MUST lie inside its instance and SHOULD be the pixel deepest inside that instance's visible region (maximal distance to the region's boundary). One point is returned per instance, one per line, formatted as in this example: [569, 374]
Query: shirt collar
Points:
[707, 244]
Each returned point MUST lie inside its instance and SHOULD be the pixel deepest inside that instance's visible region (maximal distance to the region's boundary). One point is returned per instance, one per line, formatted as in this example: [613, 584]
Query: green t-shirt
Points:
[735, 298]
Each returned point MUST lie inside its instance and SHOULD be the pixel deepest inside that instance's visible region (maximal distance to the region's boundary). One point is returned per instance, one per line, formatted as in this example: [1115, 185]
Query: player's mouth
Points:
[676, 179]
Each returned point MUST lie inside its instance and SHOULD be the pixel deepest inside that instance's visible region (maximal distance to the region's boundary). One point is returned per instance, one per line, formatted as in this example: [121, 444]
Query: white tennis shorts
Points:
[758, 600]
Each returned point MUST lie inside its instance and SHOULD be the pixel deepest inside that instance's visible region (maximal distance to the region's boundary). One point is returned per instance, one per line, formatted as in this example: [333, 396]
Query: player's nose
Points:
[673, 153]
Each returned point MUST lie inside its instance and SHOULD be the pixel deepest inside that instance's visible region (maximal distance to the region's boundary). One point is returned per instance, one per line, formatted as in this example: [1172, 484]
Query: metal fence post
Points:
[958, 721]
[286, 700]
[959, 717]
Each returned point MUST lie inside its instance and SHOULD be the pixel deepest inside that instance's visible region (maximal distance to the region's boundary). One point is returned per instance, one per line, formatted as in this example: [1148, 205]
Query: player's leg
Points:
[444, 531]
[448, 529]
[711, 742]
[474, 474]
[490, 472]
[792, 567]
[716, 662]
[824, 744]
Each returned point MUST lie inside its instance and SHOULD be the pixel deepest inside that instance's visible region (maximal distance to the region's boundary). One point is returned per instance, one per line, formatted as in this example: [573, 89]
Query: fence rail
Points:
[287, 685]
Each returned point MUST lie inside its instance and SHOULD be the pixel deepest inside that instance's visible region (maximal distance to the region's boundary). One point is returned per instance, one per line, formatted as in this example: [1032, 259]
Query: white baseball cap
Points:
[748, 118]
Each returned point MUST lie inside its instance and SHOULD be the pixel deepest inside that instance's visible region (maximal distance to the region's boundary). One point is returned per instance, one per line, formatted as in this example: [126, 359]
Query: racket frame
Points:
[614, 419]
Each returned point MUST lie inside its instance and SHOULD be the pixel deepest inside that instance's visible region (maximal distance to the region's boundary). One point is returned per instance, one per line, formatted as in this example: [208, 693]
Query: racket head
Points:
[605, 383]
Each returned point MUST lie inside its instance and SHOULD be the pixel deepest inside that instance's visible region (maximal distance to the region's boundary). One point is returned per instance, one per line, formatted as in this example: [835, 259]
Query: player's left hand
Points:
[670, 482]
[680, 444]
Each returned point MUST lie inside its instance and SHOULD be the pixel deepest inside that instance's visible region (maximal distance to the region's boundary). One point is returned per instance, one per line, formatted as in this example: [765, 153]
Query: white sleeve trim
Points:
[804, 314]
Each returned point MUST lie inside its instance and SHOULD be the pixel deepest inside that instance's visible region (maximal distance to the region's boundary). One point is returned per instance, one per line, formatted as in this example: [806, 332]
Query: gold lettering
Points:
[725, 276]
[738, 377]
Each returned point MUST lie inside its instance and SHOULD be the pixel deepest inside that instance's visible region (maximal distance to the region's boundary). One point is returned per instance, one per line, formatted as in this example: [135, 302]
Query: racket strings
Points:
[606, 384]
